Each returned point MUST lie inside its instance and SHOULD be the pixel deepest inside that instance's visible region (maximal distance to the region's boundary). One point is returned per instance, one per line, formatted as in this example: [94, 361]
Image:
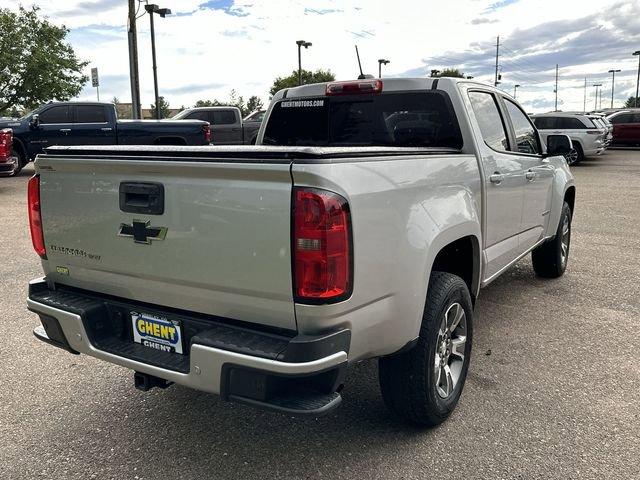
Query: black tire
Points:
[408, 379]
[579, 153]
[550, 259]
[19, 165]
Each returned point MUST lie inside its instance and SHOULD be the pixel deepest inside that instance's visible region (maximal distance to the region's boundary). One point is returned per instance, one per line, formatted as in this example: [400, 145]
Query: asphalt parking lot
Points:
[553, 389]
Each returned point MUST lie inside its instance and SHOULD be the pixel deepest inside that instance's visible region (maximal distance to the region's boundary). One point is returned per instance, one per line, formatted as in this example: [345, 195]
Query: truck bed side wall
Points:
[404, 210]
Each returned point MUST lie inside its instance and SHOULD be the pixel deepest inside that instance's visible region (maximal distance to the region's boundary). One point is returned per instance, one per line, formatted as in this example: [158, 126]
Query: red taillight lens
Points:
[322, 253]
[35, 218]
[207, 133]
[354, 87]
[6, 140]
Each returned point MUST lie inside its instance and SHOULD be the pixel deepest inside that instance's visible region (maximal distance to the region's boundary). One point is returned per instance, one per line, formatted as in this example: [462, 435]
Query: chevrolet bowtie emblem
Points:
[142, 232]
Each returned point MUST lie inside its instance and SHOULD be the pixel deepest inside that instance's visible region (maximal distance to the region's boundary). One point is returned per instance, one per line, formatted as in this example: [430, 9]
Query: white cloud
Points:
[205, 52]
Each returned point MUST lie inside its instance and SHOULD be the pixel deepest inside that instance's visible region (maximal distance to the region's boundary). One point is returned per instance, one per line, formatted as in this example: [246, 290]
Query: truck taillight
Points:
[322, 247]
[35, 218]
[353, 87]
[6, 141]
[207, 133]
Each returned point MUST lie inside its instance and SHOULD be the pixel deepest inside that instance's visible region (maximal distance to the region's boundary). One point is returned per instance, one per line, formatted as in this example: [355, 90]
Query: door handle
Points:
[530, 175]
[496, 178]
[65, 130]
[106, 129]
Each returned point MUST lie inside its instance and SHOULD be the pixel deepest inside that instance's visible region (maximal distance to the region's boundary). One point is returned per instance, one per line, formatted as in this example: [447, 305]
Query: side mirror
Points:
[35, 121]
[558, 145]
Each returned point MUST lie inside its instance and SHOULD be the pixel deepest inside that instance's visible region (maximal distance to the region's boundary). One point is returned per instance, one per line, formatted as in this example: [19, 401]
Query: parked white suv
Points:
[588, 137]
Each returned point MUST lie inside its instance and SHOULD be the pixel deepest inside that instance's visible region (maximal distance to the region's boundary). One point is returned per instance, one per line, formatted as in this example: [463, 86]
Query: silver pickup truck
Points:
[363, 225]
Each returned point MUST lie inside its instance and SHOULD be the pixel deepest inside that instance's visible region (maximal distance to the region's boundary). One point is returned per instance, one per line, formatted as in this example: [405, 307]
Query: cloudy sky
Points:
[207, 48]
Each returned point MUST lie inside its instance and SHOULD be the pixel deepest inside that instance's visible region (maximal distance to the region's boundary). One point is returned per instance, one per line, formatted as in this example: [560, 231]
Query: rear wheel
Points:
[423, 385]
[550, 259]
[576, 155]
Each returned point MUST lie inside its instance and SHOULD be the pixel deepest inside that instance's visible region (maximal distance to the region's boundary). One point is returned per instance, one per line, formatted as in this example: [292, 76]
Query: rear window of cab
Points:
[403, 119]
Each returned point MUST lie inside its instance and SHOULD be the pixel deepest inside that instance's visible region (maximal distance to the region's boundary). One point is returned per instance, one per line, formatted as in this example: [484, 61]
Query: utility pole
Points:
[134, 76]
[515, 89]
[495, 82]
[595, 103]
[305, 44]
[556, 89]
[584, 106]
[613, 82]
[635, 102]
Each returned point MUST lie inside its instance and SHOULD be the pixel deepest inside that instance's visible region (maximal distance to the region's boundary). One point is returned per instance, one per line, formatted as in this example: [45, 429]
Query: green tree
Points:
[447, 72]
[254, 103]
[290, 81]
[631, 102]
[36, 64]
[164, 108]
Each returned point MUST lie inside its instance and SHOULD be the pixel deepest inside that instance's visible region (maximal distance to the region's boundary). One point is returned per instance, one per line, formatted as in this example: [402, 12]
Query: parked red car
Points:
[626, 127]
[6, 157]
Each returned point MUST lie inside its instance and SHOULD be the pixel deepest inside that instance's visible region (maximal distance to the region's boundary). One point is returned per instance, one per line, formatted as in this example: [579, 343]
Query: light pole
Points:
[613, 83]
[301, 43]
[635, 101]
[595, 104]
[382, 61]
[515, 90]
[163, 12]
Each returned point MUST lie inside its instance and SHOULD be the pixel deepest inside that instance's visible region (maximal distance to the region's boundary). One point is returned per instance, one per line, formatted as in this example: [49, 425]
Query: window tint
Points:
[59, 114]
[199, 115]
[526, 137]
[545, 123]
[568, 123]
[90, 114]
[224, 117]
[489, 119]
[422, 119]
[622, 118]
[636, 118]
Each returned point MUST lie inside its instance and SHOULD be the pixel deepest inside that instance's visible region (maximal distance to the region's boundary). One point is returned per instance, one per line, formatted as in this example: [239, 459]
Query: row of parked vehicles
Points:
[95, 123]
[591, 133]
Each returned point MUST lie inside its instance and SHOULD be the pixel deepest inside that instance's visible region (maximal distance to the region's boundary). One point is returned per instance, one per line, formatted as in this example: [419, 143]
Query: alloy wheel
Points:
[450, 348]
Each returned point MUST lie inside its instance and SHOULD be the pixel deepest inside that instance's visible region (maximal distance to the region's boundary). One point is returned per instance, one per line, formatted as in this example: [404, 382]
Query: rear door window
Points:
[224, 117]
[526, 136]
[568, 123]
[403, 119]
[90, 114]
[545, 123]
[489, 119]
[57, 114]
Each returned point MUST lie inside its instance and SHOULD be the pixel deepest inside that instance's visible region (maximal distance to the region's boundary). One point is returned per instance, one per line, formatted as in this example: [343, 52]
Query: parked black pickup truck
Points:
[94, 123]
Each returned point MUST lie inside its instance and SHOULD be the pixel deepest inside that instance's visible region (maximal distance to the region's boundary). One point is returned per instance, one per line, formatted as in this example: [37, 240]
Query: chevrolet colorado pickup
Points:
[91, 123]
[363, 225]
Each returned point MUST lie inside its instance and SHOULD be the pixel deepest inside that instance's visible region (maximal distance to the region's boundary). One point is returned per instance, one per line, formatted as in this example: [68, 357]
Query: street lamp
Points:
[613, 83]
[382, 61]
[515, 90]
[301, 43]
[595, 104]
[635, 101]
[163, 12]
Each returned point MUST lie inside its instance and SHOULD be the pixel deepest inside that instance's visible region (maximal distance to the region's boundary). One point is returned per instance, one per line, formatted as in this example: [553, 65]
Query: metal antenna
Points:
[361, 76]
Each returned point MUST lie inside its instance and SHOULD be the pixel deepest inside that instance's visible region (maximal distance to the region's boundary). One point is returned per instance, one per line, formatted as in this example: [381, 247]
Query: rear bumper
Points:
[255, 367]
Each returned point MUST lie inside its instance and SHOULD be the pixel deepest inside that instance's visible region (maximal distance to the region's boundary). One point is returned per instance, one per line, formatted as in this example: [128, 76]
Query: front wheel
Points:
[550, 259]
[423, 385]
[18, 162]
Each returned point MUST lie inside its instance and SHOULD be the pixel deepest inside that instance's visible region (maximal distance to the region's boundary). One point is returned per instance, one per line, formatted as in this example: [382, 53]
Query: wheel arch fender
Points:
[563, 188]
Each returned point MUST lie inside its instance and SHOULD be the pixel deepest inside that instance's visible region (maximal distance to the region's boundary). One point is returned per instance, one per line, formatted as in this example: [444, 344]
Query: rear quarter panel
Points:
[404, 210]
[149, 132]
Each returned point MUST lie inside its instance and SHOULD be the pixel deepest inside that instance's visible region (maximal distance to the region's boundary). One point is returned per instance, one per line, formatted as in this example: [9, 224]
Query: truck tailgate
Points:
[221, 246]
